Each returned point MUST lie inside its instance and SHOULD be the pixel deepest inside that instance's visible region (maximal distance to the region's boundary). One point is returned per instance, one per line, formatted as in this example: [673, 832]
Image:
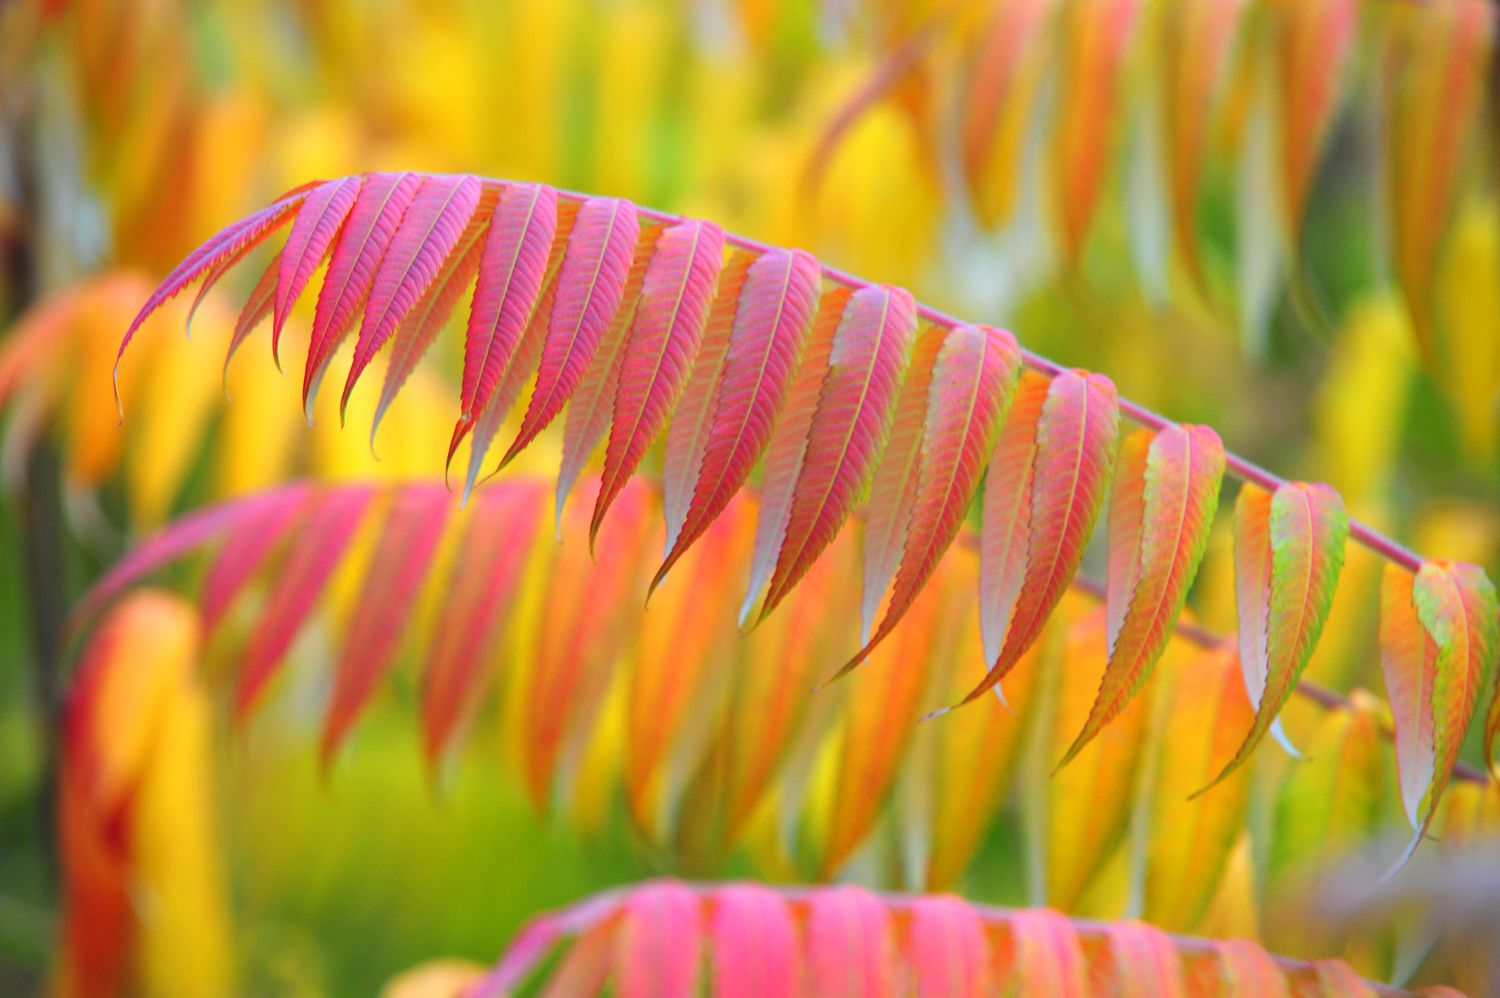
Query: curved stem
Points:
[1241, 468]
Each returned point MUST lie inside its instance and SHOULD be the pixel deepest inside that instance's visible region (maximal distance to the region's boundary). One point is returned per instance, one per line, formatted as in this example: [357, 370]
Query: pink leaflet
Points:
[849, 945]
[777, 303]
[659, 943]
[361, 245]
[318, 223]
[319, 544]
[231, 242]
[251, 540]
[663, 341]
[429, 231]
[865, 368]
[591, 287]
[755, 944]
[511, 268]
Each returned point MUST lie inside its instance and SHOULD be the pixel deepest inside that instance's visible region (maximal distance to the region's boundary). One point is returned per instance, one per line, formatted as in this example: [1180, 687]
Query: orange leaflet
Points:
[1178, 495]
[969, 392]
[1288, 550]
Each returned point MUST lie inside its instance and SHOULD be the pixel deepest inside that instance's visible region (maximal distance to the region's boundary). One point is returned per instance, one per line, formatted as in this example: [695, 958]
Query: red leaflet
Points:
[1075, 448]
[776, 308]
[1006, 520]
[250, 541]
[511, 266]
[421, 325]
[480, 590]
[755, 944]
[329, 526]
[947, 949]
[589, 412]
[357, 254]
[231, 243]
[408, 539]
[893, 490]
[663, 341]
[257, 307]
[687, 434]
[523, 359]
[788, 446]
[971, 388]
[591, 286]
[429, 231]
[311, 239]
[849, 427]
[659, 943]
[1184, 466]
[849, 945]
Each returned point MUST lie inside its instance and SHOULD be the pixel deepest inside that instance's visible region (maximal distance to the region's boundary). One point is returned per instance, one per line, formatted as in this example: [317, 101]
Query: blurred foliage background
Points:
[131, 131]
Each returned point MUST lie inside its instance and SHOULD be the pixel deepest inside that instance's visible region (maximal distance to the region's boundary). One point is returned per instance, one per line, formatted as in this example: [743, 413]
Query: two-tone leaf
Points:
[893, 489]
[362, 243]
[398, 568]
[688, 432]
[512, 264]
[318, 223]
[664, 337]
[430, 229]
[1288, 551]
[866, 363]
[776, 307]
[593, 401]
[969, 392]
[1056, 483]
[788, 446]
[1438, 642]
[591, 286]
[1154, 557]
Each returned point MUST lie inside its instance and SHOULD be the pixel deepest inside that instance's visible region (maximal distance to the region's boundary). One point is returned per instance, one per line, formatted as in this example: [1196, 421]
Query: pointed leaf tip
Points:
[1289, 551]
[1163, 506]
[665, 335]
[849, 427]
[1052, 462]
[963, 406]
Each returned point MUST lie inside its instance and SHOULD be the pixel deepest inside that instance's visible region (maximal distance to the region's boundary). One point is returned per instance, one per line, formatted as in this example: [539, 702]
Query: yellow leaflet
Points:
[1088, 800]
[1190, 840]
[1361, 407]
[176, 394]
[1468, 309]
